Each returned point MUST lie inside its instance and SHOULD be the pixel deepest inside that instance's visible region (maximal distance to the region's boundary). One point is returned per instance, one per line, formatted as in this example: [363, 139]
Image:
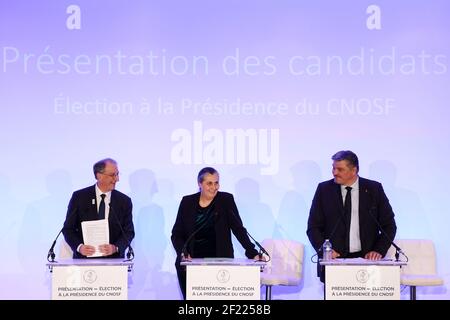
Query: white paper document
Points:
[95, 233]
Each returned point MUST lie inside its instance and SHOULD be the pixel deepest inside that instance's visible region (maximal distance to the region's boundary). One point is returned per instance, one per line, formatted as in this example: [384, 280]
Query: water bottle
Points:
[327, 250]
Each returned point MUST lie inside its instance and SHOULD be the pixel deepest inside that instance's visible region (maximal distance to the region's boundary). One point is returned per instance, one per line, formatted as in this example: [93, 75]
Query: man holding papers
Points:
[99, 219]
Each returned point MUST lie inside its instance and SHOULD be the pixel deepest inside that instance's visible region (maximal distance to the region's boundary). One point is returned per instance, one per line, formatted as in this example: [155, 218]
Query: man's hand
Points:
[107, 249]
[335, 254]
[373, 255]
[86, 250]
[188, 258]
[260, 257]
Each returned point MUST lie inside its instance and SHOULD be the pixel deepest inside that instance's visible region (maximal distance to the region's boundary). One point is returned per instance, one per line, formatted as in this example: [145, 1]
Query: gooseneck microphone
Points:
[130, 252]
[398, 251]
[51, 251]
[261, 248]
[341, 219]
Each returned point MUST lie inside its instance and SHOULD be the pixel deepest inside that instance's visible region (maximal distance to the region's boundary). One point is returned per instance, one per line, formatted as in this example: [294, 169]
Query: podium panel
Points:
[90, 279]
[361, 279]
[223, 279]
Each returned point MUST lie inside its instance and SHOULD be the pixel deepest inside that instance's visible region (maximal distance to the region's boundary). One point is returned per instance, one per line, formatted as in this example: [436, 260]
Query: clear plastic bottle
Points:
[327, 250]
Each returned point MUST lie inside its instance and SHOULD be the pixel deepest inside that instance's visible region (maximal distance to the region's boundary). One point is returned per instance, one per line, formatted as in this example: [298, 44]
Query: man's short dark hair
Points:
[99, 166]
[348, 155]
[204, 171]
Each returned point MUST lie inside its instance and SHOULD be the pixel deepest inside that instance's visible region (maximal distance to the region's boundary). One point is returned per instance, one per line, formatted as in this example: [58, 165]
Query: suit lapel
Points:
[193, 211]
[341, 214]
[363, 209]
[338, 197]
[363, 197]
[93, 213]
[114, 204]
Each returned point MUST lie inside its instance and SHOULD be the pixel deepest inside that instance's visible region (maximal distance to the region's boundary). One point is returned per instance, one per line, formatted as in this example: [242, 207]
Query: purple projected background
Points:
[264, 91]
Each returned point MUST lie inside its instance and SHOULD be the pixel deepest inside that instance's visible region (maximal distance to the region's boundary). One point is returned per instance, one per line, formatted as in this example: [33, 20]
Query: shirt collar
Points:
[354, 186]
[98, 192]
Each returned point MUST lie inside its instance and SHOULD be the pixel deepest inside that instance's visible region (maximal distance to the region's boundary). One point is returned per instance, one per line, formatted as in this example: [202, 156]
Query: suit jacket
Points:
[227, 219]
[81, 208]
[376, 219]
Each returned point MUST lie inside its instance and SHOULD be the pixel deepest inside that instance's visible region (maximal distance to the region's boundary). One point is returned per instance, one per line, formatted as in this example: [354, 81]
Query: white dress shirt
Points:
[355, 239]
[98, 194]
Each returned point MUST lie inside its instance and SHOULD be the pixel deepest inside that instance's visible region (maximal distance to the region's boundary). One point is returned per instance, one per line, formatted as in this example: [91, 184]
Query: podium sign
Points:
[360, 279]
[223, 279]
[90, 279]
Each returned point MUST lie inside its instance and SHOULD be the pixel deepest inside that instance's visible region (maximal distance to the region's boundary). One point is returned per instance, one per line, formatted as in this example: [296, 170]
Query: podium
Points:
[223, 279]
[362, 279]
[90, 279]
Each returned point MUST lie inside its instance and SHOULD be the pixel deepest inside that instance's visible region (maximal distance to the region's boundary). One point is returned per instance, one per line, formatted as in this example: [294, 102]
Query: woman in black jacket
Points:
[204, 224]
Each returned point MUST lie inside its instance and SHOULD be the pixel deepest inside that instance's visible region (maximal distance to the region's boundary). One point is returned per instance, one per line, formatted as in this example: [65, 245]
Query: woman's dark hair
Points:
[204, 171]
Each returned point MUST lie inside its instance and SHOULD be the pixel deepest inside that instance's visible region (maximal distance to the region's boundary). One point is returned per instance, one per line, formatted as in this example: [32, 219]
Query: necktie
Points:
[101, 208]
[348, 213]
[348, 202]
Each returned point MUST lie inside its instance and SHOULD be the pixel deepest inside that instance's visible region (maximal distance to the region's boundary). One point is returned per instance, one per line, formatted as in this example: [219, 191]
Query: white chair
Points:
[286, 264]
[421, 267]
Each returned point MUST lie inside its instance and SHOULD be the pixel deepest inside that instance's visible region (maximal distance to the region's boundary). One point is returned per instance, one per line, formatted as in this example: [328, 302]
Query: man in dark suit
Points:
[100, 201]
[353, 212]
[204, 224]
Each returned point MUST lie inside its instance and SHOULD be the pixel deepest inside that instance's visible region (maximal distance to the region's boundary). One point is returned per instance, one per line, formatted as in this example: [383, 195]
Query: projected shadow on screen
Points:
[411, 218]
[256, 216]
[150, 241]
[9, 213]
[293, 214]
[167, 200]
[10, 216]
[42, 220]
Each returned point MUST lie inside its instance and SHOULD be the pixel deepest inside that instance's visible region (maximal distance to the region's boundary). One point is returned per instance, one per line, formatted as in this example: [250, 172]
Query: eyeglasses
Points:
[112, 175]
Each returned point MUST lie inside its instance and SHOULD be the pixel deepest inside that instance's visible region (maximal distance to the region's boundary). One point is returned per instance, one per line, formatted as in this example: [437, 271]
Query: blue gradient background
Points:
[46, 155]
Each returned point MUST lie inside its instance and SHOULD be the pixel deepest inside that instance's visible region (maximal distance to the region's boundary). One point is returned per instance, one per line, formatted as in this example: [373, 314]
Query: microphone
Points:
[261, 248]
[342, 219]
[130, 252]
[372, 207]
[184, 251]
[321, 247]
[51, 251]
